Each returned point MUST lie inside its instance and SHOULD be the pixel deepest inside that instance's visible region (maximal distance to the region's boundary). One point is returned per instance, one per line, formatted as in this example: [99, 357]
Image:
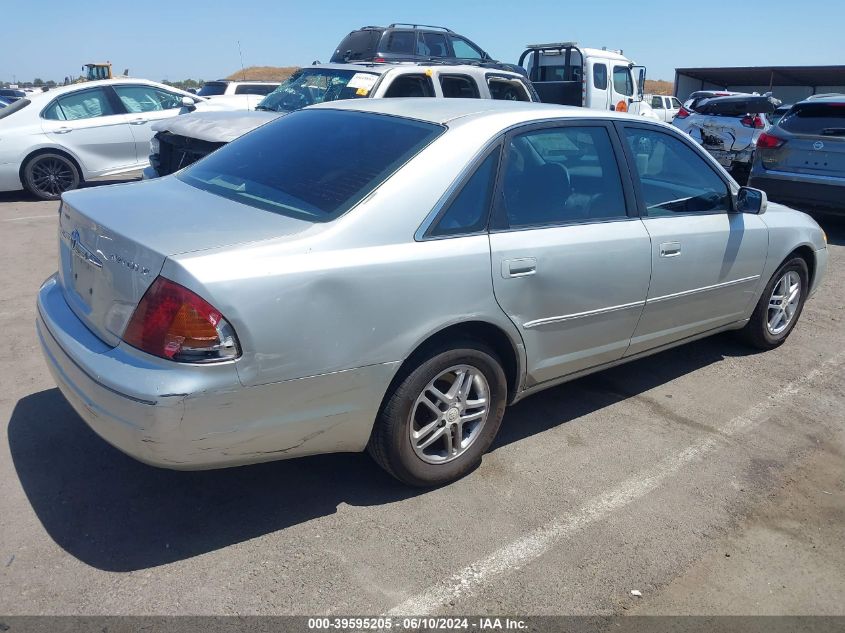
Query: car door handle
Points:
[670, 249]
[64, 130]
[137, 121]
[522, 267]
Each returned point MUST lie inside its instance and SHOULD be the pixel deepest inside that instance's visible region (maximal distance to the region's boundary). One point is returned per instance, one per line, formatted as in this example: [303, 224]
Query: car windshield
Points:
[309, 86]
[826, 119]
[212, 89]
[313, 165]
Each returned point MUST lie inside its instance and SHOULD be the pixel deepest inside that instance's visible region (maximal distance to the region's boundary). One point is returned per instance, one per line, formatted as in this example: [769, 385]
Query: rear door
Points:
[815, 142]
[93, 125]
[570, 264]
[145, 105]
[706, 260]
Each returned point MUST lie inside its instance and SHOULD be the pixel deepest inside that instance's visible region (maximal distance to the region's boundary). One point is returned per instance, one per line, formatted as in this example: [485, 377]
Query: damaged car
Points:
[728, 127]
[182, 140]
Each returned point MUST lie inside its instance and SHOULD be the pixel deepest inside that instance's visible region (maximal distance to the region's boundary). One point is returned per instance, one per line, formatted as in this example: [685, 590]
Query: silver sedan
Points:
[390, 275]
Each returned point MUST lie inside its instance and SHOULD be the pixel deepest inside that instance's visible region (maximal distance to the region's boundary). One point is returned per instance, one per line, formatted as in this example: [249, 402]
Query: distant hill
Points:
[263, 73]
[659, 87]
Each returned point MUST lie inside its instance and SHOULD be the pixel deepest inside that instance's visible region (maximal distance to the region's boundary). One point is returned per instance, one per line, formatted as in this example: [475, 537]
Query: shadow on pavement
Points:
[116, 514]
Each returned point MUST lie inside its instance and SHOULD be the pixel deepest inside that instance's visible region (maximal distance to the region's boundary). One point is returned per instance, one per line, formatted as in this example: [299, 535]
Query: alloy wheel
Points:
[784, 302]
[53, 176]
[449, 414]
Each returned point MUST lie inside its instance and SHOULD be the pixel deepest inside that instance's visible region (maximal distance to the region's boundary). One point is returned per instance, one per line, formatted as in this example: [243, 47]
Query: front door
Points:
[706, 259]
[145, 105]
[622, 87]
[570, 266]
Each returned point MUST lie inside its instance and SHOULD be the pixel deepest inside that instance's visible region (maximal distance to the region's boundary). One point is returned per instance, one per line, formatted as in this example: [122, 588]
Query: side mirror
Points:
[752, 201]
[189, 103]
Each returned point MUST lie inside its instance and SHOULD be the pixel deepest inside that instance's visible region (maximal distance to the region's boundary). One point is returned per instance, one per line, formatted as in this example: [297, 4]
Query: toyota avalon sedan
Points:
[389, 275]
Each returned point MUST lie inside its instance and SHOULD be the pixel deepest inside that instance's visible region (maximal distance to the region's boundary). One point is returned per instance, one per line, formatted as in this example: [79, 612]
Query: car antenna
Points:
[243, 70]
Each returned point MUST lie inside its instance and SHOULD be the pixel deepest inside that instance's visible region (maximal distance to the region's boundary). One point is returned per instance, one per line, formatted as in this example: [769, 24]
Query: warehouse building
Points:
[787, 83]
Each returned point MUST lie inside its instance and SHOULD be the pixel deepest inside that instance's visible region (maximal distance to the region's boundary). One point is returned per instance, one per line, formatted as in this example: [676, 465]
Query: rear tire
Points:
[779, 306]
[47, 176]
[442, 416]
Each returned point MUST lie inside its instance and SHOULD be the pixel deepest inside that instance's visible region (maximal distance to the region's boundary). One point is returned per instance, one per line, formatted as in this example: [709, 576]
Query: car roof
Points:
[442, 111]
[60, 90]
[832, 98]
[384, 67]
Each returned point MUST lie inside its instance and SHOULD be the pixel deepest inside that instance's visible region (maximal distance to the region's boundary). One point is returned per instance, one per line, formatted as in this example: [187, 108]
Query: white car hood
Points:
[215, 127]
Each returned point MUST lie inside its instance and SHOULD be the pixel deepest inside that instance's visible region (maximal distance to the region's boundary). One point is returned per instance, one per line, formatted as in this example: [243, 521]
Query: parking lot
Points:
[708, 478]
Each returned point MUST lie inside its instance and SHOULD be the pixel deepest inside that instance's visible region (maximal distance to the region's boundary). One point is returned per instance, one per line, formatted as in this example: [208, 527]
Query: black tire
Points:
[47, 176]
[390, 442]
[757, 332]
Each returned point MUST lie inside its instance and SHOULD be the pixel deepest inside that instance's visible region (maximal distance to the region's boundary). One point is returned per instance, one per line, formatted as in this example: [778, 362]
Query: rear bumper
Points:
[800, 190]
[191, 417]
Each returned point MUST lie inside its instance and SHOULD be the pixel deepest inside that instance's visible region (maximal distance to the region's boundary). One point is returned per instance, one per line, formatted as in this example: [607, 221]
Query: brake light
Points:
[173, 322]
[683, 113]
[769, 141]
[379, 60]
[755, 121]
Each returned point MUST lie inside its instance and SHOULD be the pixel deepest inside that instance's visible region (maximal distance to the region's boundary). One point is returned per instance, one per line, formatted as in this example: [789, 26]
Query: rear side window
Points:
[507, 89]
[674, 178]
[562, 175]
[600, 76]
[821, 119]
[411, 86]
[433, 45]
[212, 89]
[458, 87]
[312, 164]
[254, 89]
[404, 42]
[657, 103]
[85, 104]
[467, 213]
[622, 82]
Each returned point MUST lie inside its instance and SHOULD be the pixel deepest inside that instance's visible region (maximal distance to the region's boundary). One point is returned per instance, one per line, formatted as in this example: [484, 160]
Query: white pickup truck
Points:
[568, 74]
[235, 95]
[665, 107]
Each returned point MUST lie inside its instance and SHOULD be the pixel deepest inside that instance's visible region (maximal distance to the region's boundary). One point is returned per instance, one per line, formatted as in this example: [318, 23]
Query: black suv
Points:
[408, 42]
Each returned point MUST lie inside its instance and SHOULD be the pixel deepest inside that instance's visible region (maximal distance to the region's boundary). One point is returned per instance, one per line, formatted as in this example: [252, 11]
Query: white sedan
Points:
[51, 142]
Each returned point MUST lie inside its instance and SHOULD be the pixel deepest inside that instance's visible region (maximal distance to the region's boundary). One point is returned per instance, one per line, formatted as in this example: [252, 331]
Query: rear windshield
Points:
[212, 89]
[254, 89]
[309, 86]
[313, 165]
[358, 45]
[824, 119]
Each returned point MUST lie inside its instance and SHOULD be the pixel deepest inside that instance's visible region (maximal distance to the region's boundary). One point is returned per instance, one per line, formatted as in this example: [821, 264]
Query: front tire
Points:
[442, 416]
[47, 176]
[779, 307]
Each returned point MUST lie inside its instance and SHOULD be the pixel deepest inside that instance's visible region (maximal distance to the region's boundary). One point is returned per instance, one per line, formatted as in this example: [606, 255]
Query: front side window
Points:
[562, 175]
[622, 82]
[674, 178]
[465, 50]
[600, 76]
[467, 213]
[147, 98]
[85, 104]
[458, 87]
[309, 86]
[411, 86]
[676, 104]
[312, 165]
[507, 89]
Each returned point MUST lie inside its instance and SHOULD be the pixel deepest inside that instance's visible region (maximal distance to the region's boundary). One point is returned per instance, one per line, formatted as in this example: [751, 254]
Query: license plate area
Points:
[84, 275]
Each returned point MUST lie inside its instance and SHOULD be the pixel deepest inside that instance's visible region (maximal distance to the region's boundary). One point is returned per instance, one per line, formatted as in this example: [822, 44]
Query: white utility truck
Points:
[568, 74]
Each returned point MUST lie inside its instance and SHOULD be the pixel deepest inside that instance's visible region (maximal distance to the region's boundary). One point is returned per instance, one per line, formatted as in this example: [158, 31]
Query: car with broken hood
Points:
[389, 274]
[184, 139]
[728, 127]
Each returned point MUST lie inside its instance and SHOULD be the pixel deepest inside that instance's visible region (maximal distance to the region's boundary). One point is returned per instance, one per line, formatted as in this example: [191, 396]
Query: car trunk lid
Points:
[815, 140]
[113, 242]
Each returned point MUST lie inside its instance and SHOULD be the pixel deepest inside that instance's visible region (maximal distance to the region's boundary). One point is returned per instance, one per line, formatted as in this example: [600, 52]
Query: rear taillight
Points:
[755, 121]
[769, 141]
[683, 113]
[173, 322]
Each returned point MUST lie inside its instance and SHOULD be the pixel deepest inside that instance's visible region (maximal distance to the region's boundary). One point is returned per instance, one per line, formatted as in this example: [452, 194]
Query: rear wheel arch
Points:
[52, 150]
[483, 332]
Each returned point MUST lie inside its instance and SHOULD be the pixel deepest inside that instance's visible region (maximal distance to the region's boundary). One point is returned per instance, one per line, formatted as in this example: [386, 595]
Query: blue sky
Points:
[185, 38]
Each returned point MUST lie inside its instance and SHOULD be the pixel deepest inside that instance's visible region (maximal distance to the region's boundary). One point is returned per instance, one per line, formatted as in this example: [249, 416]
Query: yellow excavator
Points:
[95, 71]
